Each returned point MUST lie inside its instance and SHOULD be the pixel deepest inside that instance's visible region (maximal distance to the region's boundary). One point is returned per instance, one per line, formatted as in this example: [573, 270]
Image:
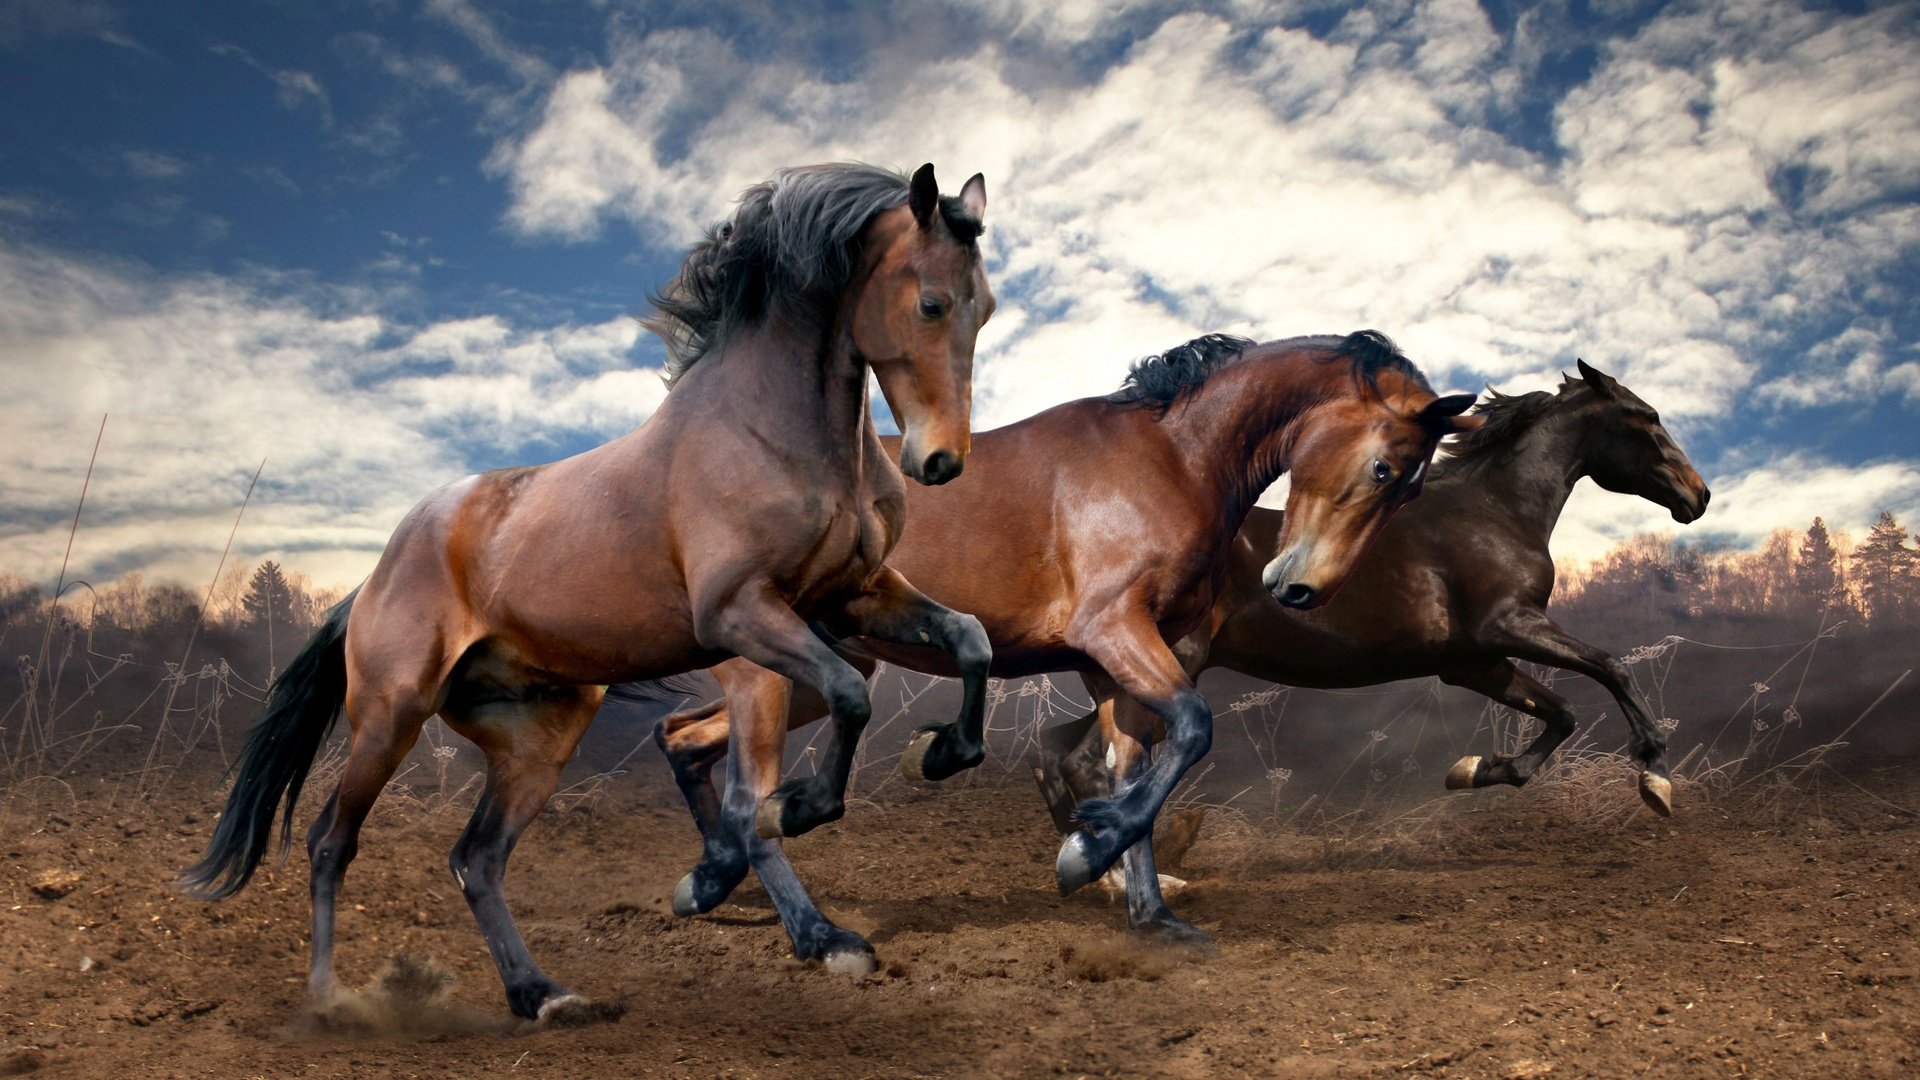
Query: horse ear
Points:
[974, 197]
[1602, 384]
[1442, 414]
[924, 195]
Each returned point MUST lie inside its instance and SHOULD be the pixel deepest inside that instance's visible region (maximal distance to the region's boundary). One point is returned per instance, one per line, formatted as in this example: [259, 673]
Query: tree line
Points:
[1819, 577]
[1639, 591]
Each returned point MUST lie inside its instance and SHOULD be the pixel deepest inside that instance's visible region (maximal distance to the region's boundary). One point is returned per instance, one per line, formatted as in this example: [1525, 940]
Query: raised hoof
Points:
[1463, 772]
[773, 811]
[1073, 867]
[913, 760]
[1657, 793]
[572, 1010]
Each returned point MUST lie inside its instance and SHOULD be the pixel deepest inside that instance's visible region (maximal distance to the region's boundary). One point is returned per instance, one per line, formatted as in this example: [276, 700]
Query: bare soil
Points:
[1481, 935]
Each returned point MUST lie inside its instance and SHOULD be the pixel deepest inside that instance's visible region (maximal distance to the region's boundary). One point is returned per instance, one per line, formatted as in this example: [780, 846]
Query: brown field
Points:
[1478, 935]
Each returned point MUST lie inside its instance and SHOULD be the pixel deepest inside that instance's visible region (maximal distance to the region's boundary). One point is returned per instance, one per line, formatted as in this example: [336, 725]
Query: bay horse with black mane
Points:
[1087, 538]
[753, 504]
[1456, 587]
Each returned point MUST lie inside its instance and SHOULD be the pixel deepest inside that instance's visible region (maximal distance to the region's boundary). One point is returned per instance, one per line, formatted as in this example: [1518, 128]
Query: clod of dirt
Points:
[407, 1000]
[1527, 1069]
[54, 884]
[1125, 958]
[20, 1060]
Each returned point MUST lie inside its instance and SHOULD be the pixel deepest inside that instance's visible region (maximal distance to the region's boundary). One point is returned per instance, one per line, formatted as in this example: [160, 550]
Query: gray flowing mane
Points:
[791, 244]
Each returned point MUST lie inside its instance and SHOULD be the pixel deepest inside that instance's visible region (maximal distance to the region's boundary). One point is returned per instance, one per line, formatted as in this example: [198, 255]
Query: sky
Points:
[381, 244]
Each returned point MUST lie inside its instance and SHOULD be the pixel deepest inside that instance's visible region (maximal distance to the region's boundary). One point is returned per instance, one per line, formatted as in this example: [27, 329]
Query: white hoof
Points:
[1072, 868]
[564, 1001]
[683, 904]
[1657, 793]
[853, 962]
[1462, 773]
[914, 758]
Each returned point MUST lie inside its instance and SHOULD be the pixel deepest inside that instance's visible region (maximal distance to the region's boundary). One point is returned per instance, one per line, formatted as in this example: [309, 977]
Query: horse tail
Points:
[301, 708]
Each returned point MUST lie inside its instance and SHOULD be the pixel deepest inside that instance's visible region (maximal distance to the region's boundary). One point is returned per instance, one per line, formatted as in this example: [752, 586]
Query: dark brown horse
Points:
[1456, 586]
[1087, 538]
[753, 504]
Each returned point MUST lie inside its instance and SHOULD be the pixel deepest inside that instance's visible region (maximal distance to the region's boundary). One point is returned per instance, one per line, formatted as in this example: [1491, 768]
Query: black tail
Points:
[301, 709]
[674, 691]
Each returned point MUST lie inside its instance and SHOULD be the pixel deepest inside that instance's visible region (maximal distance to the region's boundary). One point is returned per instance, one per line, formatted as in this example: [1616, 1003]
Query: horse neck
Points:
[799, 387]
[1542, 471]
[1237, 429]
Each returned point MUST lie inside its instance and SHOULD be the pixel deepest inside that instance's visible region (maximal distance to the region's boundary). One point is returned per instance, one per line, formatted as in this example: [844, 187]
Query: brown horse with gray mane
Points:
[1456, 586]
[754, 504]
[1087, 538]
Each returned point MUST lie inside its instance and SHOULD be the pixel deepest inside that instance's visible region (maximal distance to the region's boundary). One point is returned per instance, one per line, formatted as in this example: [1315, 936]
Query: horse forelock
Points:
[792, 242]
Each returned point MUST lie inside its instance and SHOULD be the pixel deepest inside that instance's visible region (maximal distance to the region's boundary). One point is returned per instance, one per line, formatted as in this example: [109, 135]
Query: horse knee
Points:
[972, 651]
[1190, 727]
[847, 700]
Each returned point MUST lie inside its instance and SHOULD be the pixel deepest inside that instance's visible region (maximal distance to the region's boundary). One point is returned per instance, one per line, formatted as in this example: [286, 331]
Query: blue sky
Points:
[382, 244]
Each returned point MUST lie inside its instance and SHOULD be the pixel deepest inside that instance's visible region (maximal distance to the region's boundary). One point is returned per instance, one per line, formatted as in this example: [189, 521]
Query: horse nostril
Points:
[1705, 495]
[940, 467]
[1298, 595]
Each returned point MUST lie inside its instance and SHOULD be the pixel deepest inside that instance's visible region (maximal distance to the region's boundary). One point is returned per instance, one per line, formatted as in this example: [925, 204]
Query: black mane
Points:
[1509, 416]
[1160, 382]
[1157, 382]
[791, 241]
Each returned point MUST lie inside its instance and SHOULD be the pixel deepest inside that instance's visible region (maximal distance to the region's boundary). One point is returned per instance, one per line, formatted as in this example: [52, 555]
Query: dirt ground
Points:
[1479, 935]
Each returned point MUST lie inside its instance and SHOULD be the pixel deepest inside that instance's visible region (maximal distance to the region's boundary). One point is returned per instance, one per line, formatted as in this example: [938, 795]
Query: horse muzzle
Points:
[1298, 595]
[934, 469]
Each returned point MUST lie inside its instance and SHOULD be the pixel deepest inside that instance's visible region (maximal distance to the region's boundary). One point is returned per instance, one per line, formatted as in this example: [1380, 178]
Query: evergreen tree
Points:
[1816, 573]
[269, 598]
[1885, 565]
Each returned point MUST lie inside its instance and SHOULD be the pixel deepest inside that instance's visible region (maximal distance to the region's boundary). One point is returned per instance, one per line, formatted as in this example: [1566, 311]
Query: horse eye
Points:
[931, 307]
[1382, 472]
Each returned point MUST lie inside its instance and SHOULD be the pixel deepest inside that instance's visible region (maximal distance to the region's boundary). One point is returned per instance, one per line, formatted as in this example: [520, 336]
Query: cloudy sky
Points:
[385, 243]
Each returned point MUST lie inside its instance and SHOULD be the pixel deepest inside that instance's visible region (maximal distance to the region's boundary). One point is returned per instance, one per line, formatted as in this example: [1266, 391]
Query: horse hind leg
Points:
[527, 742]
[693, 741]
[1517, 690]
[385, 726]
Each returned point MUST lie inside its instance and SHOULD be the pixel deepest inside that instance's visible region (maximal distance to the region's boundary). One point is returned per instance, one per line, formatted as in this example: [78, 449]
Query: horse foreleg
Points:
[1517, 690]
[893, 610]
[1536, 637]
[527, 744]
[1070, 769]
[1129, 648]
[695, 740]
[1128, 731]
[757, 702]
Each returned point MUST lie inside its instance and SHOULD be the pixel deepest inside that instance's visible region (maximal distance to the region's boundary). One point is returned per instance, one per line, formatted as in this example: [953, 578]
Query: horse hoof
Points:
[1169, 883]
[1073, 867]
[572, 1010]
[913, 760]
[773, 808]
[1178, 933]
[1657, 793]
[684, 905]
[857, 963]
[1463, 771]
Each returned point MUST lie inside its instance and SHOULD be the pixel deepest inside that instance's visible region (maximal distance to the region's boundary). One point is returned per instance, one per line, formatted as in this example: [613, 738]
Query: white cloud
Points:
[1790, 491]
[203, 377]
[1253, 177]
